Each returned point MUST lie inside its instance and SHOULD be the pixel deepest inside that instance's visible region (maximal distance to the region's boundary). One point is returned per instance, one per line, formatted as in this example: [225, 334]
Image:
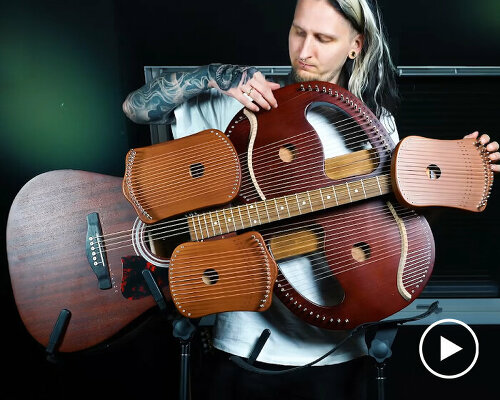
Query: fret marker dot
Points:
[303, 203]
[254, 221]
[215, 223]
[251, 206]
[328, 197]
[229, 219]
[282, 208]
[355, 190]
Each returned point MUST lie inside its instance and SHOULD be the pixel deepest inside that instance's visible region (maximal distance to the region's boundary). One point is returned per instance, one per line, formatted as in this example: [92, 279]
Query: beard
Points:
[308, 77]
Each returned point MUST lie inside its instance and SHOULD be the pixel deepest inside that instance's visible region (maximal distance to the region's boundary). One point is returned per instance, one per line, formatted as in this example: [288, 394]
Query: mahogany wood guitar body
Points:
[48, 264]
[75, 243]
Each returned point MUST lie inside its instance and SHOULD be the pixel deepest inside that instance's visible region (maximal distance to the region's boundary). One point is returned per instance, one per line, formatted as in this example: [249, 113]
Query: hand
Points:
[492, 148]
[245, 84]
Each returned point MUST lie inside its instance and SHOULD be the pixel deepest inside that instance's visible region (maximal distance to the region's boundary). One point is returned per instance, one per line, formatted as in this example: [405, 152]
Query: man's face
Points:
[322, 37]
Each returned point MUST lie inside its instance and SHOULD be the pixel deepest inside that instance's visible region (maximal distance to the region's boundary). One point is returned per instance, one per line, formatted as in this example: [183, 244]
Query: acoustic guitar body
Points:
[48, 264]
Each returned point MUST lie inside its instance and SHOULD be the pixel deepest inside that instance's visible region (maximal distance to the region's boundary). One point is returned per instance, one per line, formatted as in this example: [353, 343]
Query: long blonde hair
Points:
[371, 75]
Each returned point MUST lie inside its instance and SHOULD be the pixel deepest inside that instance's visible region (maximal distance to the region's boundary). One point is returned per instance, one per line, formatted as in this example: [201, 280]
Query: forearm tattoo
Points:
[228, 76]
[154, 102]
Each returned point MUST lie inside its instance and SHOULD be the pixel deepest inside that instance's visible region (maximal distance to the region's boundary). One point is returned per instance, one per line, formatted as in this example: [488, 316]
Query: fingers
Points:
[484, 139]
[472, 135]
[261, 91]
[494, 156]
[492, 147]
[244, 99]
[274, 85]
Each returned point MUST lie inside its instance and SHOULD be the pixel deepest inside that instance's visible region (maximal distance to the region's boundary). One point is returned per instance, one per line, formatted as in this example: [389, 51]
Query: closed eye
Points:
[324, 39]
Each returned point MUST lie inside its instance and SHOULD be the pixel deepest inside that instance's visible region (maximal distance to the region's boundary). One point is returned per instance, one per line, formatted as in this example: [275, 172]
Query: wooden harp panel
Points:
[447, 173]
[175, 177]
[231, 274]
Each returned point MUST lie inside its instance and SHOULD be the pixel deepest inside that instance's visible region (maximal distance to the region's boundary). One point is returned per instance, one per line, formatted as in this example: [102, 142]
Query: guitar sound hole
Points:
[196, 170]
[361, 251]
[287, 153]
[162, 238]
[210, 276]
[433, 171]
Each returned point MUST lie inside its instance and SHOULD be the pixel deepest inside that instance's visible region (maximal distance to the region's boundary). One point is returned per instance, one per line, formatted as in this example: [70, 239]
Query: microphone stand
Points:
[183, 330]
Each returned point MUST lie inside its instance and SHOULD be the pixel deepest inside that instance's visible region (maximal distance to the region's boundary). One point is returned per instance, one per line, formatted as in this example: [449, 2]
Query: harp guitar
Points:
[76, 243]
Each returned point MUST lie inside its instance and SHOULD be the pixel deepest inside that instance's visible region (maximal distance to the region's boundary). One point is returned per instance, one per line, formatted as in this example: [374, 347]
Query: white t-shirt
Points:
[292, 341]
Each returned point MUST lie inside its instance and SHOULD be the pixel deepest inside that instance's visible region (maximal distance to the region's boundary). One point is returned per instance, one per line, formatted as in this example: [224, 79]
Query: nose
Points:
[307, 48]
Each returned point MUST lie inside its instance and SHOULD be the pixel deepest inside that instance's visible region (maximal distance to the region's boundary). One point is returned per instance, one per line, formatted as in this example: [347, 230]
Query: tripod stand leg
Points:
[381, 381]
[183, 330]
[184, 392]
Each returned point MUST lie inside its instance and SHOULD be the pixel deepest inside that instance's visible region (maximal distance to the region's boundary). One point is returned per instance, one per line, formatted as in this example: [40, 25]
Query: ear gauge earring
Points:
[352, 55]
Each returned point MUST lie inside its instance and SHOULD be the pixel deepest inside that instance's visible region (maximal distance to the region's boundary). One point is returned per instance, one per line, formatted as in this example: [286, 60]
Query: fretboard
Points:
[213, 223]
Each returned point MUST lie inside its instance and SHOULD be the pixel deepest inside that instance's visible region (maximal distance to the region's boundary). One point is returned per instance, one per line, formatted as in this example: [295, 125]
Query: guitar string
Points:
[157, 233]
[386, 227]
[181, 225]
[231, 253]
[325, 217]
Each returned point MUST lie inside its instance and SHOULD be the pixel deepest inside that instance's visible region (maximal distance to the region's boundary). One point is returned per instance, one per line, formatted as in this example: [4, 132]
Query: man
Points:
[341, 42]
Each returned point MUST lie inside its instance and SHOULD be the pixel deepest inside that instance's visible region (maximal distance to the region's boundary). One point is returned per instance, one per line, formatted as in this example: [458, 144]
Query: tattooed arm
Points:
[154, 102]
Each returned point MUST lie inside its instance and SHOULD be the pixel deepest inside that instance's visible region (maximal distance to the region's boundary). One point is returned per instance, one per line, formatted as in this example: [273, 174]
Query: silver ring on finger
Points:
[247, 94]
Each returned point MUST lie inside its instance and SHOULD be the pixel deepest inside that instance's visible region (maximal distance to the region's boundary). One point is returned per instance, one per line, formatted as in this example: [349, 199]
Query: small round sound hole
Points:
[433, 171]
[287, 153]
[196, 170]
[210, 276]
[361, 251]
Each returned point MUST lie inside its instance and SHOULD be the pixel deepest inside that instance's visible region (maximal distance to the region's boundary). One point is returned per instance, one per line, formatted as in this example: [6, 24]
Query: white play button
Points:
[438, 343]
[448, 348]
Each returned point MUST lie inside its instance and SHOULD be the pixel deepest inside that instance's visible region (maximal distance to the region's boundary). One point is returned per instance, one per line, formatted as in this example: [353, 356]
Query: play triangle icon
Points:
[448, 348]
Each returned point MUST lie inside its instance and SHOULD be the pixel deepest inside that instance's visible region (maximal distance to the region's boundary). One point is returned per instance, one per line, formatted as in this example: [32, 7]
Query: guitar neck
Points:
[214, 223]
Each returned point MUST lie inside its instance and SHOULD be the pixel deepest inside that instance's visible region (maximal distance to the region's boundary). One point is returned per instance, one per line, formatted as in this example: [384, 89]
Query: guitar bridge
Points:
[96, 253]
